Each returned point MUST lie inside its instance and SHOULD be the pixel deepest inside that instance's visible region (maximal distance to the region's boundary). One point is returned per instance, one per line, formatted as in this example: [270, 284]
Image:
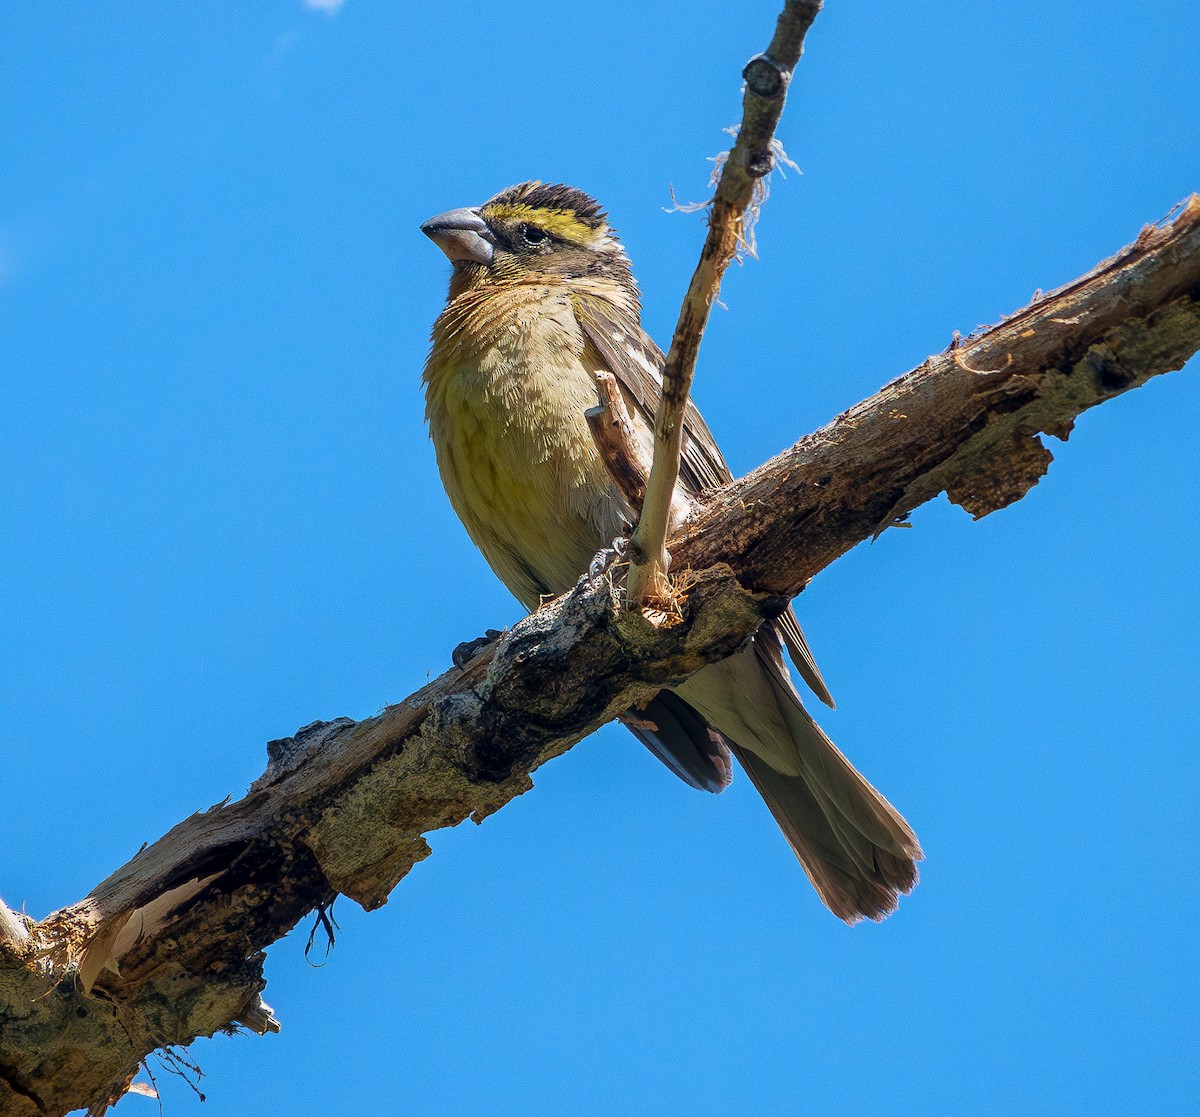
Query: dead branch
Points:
[966, 422]
[170, 946]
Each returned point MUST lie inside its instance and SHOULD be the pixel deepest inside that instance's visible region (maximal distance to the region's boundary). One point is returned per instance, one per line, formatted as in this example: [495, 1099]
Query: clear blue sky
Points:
[222, 520]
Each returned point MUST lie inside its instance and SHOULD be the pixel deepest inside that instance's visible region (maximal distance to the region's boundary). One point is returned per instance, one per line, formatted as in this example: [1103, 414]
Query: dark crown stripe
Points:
[539, 195]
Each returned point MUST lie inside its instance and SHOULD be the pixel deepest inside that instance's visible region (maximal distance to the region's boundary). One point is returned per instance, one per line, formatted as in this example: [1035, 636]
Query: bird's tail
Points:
[857, 850]
[854, 875]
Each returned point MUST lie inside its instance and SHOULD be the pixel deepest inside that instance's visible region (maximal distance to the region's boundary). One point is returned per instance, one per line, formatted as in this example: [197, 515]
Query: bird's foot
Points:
[468, 649]
[607, 556]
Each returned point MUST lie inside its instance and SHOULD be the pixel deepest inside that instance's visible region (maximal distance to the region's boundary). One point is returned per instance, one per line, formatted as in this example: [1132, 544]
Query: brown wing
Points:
[636, 362]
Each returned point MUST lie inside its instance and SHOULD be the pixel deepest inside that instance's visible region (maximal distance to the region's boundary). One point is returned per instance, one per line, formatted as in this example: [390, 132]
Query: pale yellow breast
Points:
[507, 385]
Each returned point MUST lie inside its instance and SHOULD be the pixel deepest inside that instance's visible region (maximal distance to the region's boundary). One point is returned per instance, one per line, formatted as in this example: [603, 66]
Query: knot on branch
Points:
[764, 77]
[483, 751]
[1111, 376]
[286, 754]
[760, 164]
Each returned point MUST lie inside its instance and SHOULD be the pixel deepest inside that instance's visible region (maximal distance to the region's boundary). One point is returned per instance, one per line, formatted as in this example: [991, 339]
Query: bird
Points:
[542, 298]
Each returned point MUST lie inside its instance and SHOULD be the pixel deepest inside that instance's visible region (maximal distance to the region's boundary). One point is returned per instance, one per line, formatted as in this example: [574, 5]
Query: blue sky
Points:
[222, 520]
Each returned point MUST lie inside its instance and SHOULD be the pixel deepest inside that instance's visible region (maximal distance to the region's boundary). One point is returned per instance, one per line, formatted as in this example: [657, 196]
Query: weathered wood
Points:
[12, 926]
[966, 422]
[617, 441]
[170, 946]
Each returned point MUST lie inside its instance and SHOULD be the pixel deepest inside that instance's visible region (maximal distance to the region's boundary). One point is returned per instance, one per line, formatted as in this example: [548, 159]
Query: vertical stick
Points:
[766, 76]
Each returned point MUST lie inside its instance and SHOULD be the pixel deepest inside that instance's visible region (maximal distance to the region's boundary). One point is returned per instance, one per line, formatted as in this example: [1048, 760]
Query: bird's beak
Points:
[462, 235]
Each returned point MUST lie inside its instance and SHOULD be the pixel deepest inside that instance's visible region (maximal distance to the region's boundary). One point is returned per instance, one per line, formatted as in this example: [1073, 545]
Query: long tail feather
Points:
[854, 845]
[850, 889]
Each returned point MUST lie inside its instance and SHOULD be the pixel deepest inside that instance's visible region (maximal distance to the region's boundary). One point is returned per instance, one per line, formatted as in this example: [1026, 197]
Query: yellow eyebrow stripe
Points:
[561, 223]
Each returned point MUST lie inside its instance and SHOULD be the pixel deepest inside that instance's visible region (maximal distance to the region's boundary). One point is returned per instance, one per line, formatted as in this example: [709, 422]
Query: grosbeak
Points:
[542, 298]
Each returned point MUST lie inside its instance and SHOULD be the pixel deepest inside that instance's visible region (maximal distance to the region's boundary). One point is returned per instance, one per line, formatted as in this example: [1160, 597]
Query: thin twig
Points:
[323, 921]
[749, 162]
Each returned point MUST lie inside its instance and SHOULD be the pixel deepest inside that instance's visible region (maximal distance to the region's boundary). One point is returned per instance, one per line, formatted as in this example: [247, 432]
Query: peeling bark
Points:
[966, 422]
[170, 946]
[617, 442]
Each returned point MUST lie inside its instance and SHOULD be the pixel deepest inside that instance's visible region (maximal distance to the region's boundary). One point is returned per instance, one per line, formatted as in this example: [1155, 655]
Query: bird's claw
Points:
[468, 649]
[606, 556]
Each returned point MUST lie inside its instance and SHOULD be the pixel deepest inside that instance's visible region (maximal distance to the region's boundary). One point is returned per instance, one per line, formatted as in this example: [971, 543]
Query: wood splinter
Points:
[617, 442]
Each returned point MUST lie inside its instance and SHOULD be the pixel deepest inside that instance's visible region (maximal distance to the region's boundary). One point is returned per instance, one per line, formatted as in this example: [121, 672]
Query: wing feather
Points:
[636, 362]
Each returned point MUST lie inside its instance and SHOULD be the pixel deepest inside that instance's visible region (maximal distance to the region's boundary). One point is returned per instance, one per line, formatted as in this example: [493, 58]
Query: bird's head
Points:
[530, 233]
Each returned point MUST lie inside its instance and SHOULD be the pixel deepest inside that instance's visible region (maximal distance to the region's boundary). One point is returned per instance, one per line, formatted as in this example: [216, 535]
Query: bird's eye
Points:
[531, 234]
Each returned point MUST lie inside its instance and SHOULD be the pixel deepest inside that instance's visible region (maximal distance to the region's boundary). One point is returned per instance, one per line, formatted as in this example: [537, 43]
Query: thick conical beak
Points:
[462, 235]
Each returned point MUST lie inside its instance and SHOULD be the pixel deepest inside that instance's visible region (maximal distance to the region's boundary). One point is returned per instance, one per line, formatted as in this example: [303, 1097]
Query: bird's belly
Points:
[521, 471]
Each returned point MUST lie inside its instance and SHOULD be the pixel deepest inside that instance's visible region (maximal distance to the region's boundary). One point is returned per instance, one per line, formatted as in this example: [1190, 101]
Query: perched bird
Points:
[542, 297]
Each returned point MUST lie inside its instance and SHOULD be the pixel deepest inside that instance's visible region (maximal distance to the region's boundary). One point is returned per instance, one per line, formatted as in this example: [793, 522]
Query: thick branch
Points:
[170, 946]
[966, 422]
[738, 188]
